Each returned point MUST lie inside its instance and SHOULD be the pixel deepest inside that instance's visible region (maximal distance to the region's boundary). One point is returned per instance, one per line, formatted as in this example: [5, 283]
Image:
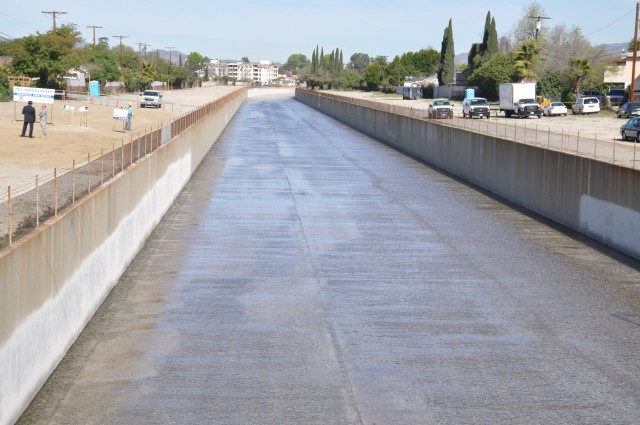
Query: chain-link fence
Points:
[30, 206]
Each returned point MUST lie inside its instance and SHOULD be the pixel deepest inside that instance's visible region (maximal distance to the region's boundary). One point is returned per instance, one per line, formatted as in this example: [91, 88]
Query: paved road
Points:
[310, 275]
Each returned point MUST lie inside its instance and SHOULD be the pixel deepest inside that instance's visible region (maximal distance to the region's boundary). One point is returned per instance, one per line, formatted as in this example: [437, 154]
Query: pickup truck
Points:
[150, 98]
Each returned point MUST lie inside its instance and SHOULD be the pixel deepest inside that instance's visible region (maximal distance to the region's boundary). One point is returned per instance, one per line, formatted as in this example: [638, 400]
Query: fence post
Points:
[121, 155]
[101, 166]
[73, 183]
[578, 143]
[37, 203]
[55, 192]
[138, 140]
[113, 160]
[88, 173]
[549, 138]
[634, 155]
[536, 142]
[614, 151]
[9, 214]
[130, 151]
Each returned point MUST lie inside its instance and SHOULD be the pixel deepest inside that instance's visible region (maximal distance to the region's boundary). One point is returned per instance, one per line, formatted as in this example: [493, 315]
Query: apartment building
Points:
[262, 72]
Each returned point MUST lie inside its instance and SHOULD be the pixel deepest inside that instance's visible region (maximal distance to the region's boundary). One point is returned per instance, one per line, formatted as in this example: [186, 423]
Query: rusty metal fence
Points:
[601, 147]
[32, 205]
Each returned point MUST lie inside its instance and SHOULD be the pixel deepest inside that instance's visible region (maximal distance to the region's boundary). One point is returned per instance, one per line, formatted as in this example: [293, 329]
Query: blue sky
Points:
[274, 30]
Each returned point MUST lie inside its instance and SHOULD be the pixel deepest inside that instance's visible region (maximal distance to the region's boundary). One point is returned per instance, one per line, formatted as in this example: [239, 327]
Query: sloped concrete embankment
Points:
[595, 198]
[53, 280]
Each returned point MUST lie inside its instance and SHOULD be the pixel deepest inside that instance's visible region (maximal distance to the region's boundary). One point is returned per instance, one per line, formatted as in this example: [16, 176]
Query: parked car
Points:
[555, 108]
[586, 105]
[615, 97]
[475, 106]
[440, 108]
[631, 129]
[629, 109]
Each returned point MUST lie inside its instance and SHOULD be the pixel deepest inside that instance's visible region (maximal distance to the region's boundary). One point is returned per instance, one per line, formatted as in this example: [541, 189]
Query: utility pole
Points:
[170, 48]
[94, 35]
[120, 37]
[538, 23]
[140, 55]
[54, 13]
[632, 91]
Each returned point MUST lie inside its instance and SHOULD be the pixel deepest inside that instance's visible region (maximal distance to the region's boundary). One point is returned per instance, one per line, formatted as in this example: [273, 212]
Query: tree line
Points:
[46, 58]
[561, 60]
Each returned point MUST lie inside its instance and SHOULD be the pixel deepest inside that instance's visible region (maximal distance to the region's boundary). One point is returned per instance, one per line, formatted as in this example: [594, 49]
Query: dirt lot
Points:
[604, 124]
[73, 135]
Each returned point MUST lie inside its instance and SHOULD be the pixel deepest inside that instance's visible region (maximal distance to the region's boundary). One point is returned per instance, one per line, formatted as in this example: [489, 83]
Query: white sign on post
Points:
[36, 95]
[120, 114]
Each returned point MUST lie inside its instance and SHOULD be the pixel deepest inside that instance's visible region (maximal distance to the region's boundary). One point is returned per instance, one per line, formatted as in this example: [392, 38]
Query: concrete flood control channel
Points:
[309, 274]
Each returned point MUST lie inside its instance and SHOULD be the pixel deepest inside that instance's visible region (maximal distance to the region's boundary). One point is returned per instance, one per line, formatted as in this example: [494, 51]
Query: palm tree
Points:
[579, 68]
[527, 54]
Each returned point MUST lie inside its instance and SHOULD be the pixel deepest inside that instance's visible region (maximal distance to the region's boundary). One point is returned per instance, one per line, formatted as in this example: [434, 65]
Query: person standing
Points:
[29, 113]
[129, 116]
[43, 120]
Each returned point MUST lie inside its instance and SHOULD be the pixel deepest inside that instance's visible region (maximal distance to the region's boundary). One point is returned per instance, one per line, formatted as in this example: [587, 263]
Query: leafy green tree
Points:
[446, 74]
[372, 77]
[296, 62]
[499, 69]
[358, 62]
[5, 90]
[103, 64]
[195, 61]
[349, 79]
[47, 55]
[245, 59]
[552, 84]
[379, 60]
[149, 73]
[527, 54]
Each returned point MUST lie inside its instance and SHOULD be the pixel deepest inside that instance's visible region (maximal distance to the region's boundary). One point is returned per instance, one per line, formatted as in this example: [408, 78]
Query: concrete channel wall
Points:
[53, 280]
[595, 198]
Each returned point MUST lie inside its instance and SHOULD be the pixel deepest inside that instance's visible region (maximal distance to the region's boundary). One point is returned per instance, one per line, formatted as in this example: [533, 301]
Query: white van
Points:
[586, 105]
[475, 107]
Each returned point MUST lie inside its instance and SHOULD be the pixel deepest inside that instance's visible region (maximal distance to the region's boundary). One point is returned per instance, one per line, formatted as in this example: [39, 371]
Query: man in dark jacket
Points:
[29, 113]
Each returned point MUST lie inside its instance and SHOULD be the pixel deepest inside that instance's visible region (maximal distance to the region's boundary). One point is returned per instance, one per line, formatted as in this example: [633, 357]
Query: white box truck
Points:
[519, 99]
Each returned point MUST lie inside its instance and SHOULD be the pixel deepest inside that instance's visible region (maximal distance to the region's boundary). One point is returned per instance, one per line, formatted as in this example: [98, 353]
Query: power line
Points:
[603, 28]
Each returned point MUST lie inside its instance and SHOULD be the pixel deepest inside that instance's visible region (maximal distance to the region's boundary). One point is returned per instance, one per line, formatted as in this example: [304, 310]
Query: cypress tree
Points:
[446, 74]
[492, 45]
[321, 61]
[485, 36]
[313, 61]
[474, 53]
